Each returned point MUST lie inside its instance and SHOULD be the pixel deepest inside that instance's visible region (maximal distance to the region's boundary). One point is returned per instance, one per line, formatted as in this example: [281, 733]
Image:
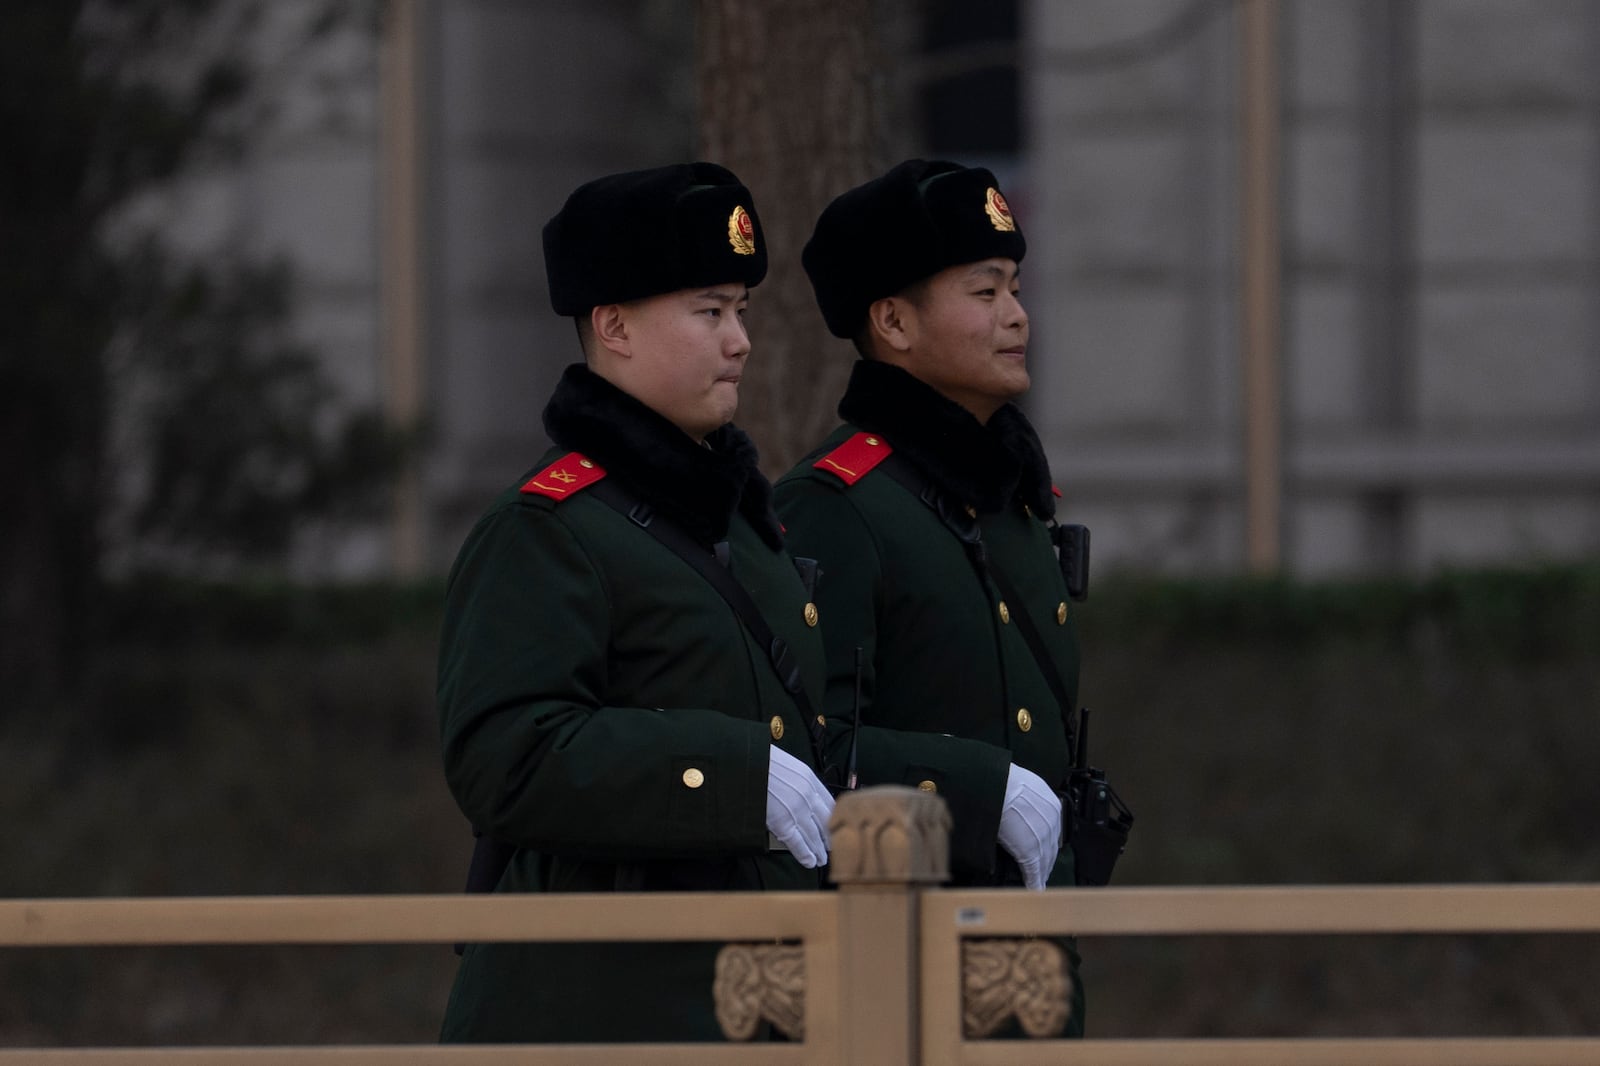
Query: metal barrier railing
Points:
[809, 917]
[883, 955]
[948, 917]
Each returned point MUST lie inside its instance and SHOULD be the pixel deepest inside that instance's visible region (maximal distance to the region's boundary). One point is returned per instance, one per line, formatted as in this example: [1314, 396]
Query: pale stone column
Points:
[887, 843]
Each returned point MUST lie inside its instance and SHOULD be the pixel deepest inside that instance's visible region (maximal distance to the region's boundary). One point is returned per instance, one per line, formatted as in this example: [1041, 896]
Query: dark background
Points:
[276, 739]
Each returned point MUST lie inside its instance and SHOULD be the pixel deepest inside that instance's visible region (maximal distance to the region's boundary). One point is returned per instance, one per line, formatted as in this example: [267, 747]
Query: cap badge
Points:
[742, 232]
[999, 212]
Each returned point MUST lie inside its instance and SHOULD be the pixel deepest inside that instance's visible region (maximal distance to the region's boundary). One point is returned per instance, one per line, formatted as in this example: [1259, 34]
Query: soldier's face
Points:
[967, 335]
[687, 354]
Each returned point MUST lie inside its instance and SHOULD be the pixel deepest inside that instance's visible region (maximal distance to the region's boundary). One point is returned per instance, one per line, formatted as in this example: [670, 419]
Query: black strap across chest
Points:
[964, 525]
[713, 566]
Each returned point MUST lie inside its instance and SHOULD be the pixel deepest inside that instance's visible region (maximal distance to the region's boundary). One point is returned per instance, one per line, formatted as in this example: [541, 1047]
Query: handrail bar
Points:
[411, 919]
[1312, 1051]
[425, 1055]
[1287, 909]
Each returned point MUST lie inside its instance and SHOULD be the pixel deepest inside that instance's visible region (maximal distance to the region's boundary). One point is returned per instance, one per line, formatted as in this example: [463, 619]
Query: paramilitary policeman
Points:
[930, 511]
[607, 714]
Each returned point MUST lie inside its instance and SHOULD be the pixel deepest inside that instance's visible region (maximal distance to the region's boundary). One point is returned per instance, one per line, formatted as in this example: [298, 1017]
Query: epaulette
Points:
[855, 458]
[570, 474]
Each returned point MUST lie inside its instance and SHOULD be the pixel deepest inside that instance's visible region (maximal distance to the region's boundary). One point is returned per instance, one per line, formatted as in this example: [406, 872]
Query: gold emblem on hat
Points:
[742, 232]
[999, 211]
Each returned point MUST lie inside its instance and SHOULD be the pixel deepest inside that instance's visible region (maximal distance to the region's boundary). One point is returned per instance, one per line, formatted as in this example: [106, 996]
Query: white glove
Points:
[1030, 825]
[798, 808]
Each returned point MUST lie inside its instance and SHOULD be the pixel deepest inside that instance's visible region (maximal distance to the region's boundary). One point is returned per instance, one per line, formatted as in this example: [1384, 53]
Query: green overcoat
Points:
[951, 693]
[604, 711]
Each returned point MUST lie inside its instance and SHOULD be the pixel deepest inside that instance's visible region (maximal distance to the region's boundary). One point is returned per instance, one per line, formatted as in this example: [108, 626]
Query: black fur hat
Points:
[916, 220]
[646, 232]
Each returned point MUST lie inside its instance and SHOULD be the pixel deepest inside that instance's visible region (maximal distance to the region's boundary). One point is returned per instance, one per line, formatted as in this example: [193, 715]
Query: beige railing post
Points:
[887, 841]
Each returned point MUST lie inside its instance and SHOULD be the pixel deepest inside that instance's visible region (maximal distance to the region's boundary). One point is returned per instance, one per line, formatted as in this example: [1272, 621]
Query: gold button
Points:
[693, 777]
[586, 464]
[972, 512]
[1005, 613]
[1024, 719]
[1061, 613]
[822, 720]
[928, 786]
[811, 614]
[873, 441]
[777, 727]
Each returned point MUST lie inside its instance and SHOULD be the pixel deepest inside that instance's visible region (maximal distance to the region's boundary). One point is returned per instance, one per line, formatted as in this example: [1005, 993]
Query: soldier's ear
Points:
[891, 323]
[610, 325]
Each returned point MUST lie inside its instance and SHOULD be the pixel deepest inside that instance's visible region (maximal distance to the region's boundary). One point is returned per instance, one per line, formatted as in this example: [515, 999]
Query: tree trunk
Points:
[801, 100]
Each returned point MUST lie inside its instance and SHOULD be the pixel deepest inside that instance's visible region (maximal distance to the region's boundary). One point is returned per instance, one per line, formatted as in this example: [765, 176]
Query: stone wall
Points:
[1441, 186]
[1441, 373]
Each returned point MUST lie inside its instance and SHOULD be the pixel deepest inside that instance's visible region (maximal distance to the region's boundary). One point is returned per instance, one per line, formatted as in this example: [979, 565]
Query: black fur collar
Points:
[986, 466]
[697, 487]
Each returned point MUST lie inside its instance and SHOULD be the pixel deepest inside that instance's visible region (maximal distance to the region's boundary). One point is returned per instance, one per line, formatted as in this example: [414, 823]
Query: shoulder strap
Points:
[570, 474]
[855, 458]
[964, 524]
[713, 569]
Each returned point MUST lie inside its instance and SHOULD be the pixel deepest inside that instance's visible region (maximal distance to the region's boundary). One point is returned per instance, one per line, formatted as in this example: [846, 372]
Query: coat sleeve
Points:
[533, 753]
[824, 524]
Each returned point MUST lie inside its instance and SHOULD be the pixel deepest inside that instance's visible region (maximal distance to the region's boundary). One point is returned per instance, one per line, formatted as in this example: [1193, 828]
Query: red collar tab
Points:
[1056, 491]
[855, 458]
[567, 476]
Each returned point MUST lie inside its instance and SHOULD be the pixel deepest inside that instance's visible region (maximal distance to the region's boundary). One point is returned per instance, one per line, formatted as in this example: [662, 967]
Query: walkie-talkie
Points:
[1072, 549]
[1100, 822]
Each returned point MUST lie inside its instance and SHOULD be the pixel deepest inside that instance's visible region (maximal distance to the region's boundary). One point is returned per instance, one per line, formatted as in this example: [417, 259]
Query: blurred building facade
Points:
[1440, 221]
[1440, 357]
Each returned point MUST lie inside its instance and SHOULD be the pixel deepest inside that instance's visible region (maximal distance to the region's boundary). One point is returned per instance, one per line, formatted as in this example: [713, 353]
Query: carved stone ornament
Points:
[1027, 978]
[889, 833]
[756, 981]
